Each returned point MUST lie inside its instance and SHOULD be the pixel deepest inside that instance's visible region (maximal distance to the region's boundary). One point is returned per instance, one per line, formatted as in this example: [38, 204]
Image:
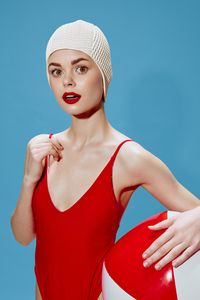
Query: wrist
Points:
[29, 182]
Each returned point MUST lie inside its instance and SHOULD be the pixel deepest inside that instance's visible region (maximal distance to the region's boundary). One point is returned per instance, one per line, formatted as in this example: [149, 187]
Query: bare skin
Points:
[89, 163]
[88, 145]
[88, 157]
[89, 126]
[37, 293]
[129, 169]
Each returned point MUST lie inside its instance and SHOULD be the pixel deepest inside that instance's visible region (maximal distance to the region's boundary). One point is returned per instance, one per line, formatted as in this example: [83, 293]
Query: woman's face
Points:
[82, 77]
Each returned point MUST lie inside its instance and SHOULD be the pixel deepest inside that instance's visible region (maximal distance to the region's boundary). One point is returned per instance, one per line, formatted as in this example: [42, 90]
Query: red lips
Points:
[70, 93]
[73, 99]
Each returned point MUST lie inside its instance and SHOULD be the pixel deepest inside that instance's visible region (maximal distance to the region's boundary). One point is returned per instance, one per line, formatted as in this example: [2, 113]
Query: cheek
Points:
[95, 85]
[55, 86]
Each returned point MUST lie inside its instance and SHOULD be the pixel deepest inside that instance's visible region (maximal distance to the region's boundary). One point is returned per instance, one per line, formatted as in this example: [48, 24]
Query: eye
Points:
[55, 73]
[82, 68]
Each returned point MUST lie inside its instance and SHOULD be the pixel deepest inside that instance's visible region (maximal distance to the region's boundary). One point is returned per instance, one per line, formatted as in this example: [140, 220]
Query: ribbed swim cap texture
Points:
[86, 37]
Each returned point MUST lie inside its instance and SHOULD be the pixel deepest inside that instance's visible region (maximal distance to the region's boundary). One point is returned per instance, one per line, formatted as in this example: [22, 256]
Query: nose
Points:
[68, 80]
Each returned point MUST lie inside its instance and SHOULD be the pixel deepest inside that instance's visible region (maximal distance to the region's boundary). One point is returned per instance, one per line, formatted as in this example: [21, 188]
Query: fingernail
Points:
[144, 255]
[174, 264]
[145, 264]
[157, 267]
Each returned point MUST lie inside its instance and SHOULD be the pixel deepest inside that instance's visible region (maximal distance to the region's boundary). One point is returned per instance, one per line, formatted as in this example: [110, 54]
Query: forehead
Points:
[67, 55]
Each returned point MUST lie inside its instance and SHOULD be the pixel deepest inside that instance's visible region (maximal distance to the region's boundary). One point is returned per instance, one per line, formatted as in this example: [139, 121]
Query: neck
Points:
[87, 130]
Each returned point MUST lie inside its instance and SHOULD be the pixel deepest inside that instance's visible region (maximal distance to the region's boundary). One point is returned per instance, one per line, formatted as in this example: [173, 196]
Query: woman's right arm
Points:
[22, 223]
[22, 219]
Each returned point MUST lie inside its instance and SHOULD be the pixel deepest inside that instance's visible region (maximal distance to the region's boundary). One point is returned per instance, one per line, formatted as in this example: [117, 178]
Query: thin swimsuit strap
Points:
[105, 171]
[118, 148]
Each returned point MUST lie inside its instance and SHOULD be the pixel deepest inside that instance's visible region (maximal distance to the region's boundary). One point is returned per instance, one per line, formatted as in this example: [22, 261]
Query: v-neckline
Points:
[78, 201]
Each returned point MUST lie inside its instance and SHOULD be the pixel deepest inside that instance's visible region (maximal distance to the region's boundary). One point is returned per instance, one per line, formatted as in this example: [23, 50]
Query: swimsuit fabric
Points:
[71, 244]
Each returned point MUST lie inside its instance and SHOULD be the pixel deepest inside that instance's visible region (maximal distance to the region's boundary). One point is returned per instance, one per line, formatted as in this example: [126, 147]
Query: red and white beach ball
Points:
[125, 278]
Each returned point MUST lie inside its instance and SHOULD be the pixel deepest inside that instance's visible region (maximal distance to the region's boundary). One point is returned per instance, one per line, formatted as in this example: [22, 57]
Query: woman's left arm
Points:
[181, 238]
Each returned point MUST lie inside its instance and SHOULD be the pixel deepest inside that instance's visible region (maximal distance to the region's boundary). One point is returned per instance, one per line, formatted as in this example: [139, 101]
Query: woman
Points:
[77, 183]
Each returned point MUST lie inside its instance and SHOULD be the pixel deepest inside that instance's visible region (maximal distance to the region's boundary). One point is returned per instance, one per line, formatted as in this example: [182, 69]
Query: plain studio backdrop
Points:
[153, 98]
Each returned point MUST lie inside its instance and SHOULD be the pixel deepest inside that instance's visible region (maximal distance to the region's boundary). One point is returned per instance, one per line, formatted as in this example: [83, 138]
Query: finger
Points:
[159, 253]
[40, 153]
[41, 145]
[161, 225]
[55, 146]
[55, 141]
[170, 256]
[45, 146]
[184, 256]
[163, 238]
[57, 150]
[55, 154]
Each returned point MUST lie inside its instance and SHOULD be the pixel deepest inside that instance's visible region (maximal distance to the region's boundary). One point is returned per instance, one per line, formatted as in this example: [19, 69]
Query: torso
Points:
[73, 175]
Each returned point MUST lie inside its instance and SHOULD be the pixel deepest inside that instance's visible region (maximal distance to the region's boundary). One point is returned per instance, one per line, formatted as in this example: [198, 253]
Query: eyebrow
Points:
[73, 62]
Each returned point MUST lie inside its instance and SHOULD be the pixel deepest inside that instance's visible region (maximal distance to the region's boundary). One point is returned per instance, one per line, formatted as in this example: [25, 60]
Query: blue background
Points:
[153, 98]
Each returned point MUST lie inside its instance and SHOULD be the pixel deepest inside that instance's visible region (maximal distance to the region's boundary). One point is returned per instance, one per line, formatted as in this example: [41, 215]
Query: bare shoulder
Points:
[132, 156]
[130, 159]
[140, 164]
[60, 134]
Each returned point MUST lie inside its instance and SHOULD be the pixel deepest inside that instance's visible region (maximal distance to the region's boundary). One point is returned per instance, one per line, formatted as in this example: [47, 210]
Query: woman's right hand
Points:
[37, 149]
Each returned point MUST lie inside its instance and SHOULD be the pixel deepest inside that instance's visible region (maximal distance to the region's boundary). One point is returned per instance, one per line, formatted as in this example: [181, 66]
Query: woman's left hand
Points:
[179, 242]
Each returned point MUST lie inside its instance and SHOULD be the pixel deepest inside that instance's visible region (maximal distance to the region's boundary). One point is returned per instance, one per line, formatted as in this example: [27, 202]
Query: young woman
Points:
[78, 182]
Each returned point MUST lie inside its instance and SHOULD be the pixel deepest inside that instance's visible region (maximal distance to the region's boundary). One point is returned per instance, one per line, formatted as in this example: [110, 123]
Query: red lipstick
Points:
[71, 97]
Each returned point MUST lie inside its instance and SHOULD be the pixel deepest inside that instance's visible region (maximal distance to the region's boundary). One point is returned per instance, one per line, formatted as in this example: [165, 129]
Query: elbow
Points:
[20, 240]
[23, 240]
[25, 243]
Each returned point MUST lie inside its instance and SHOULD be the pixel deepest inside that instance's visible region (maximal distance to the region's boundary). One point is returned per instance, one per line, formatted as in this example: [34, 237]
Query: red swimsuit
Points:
[71, 244]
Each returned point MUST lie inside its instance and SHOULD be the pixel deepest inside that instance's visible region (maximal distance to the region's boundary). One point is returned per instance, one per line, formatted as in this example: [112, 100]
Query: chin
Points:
[86, 112]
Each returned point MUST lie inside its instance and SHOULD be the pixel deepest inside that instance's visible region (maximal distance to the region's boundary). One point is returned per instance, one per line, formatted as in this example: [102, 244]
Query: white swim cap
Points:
[86, 37]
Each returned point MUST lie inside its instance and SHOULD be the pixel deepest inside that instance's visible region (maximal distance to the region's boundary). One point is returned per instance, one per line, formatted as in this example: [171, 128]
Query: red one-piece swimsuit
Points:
[71, 244]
